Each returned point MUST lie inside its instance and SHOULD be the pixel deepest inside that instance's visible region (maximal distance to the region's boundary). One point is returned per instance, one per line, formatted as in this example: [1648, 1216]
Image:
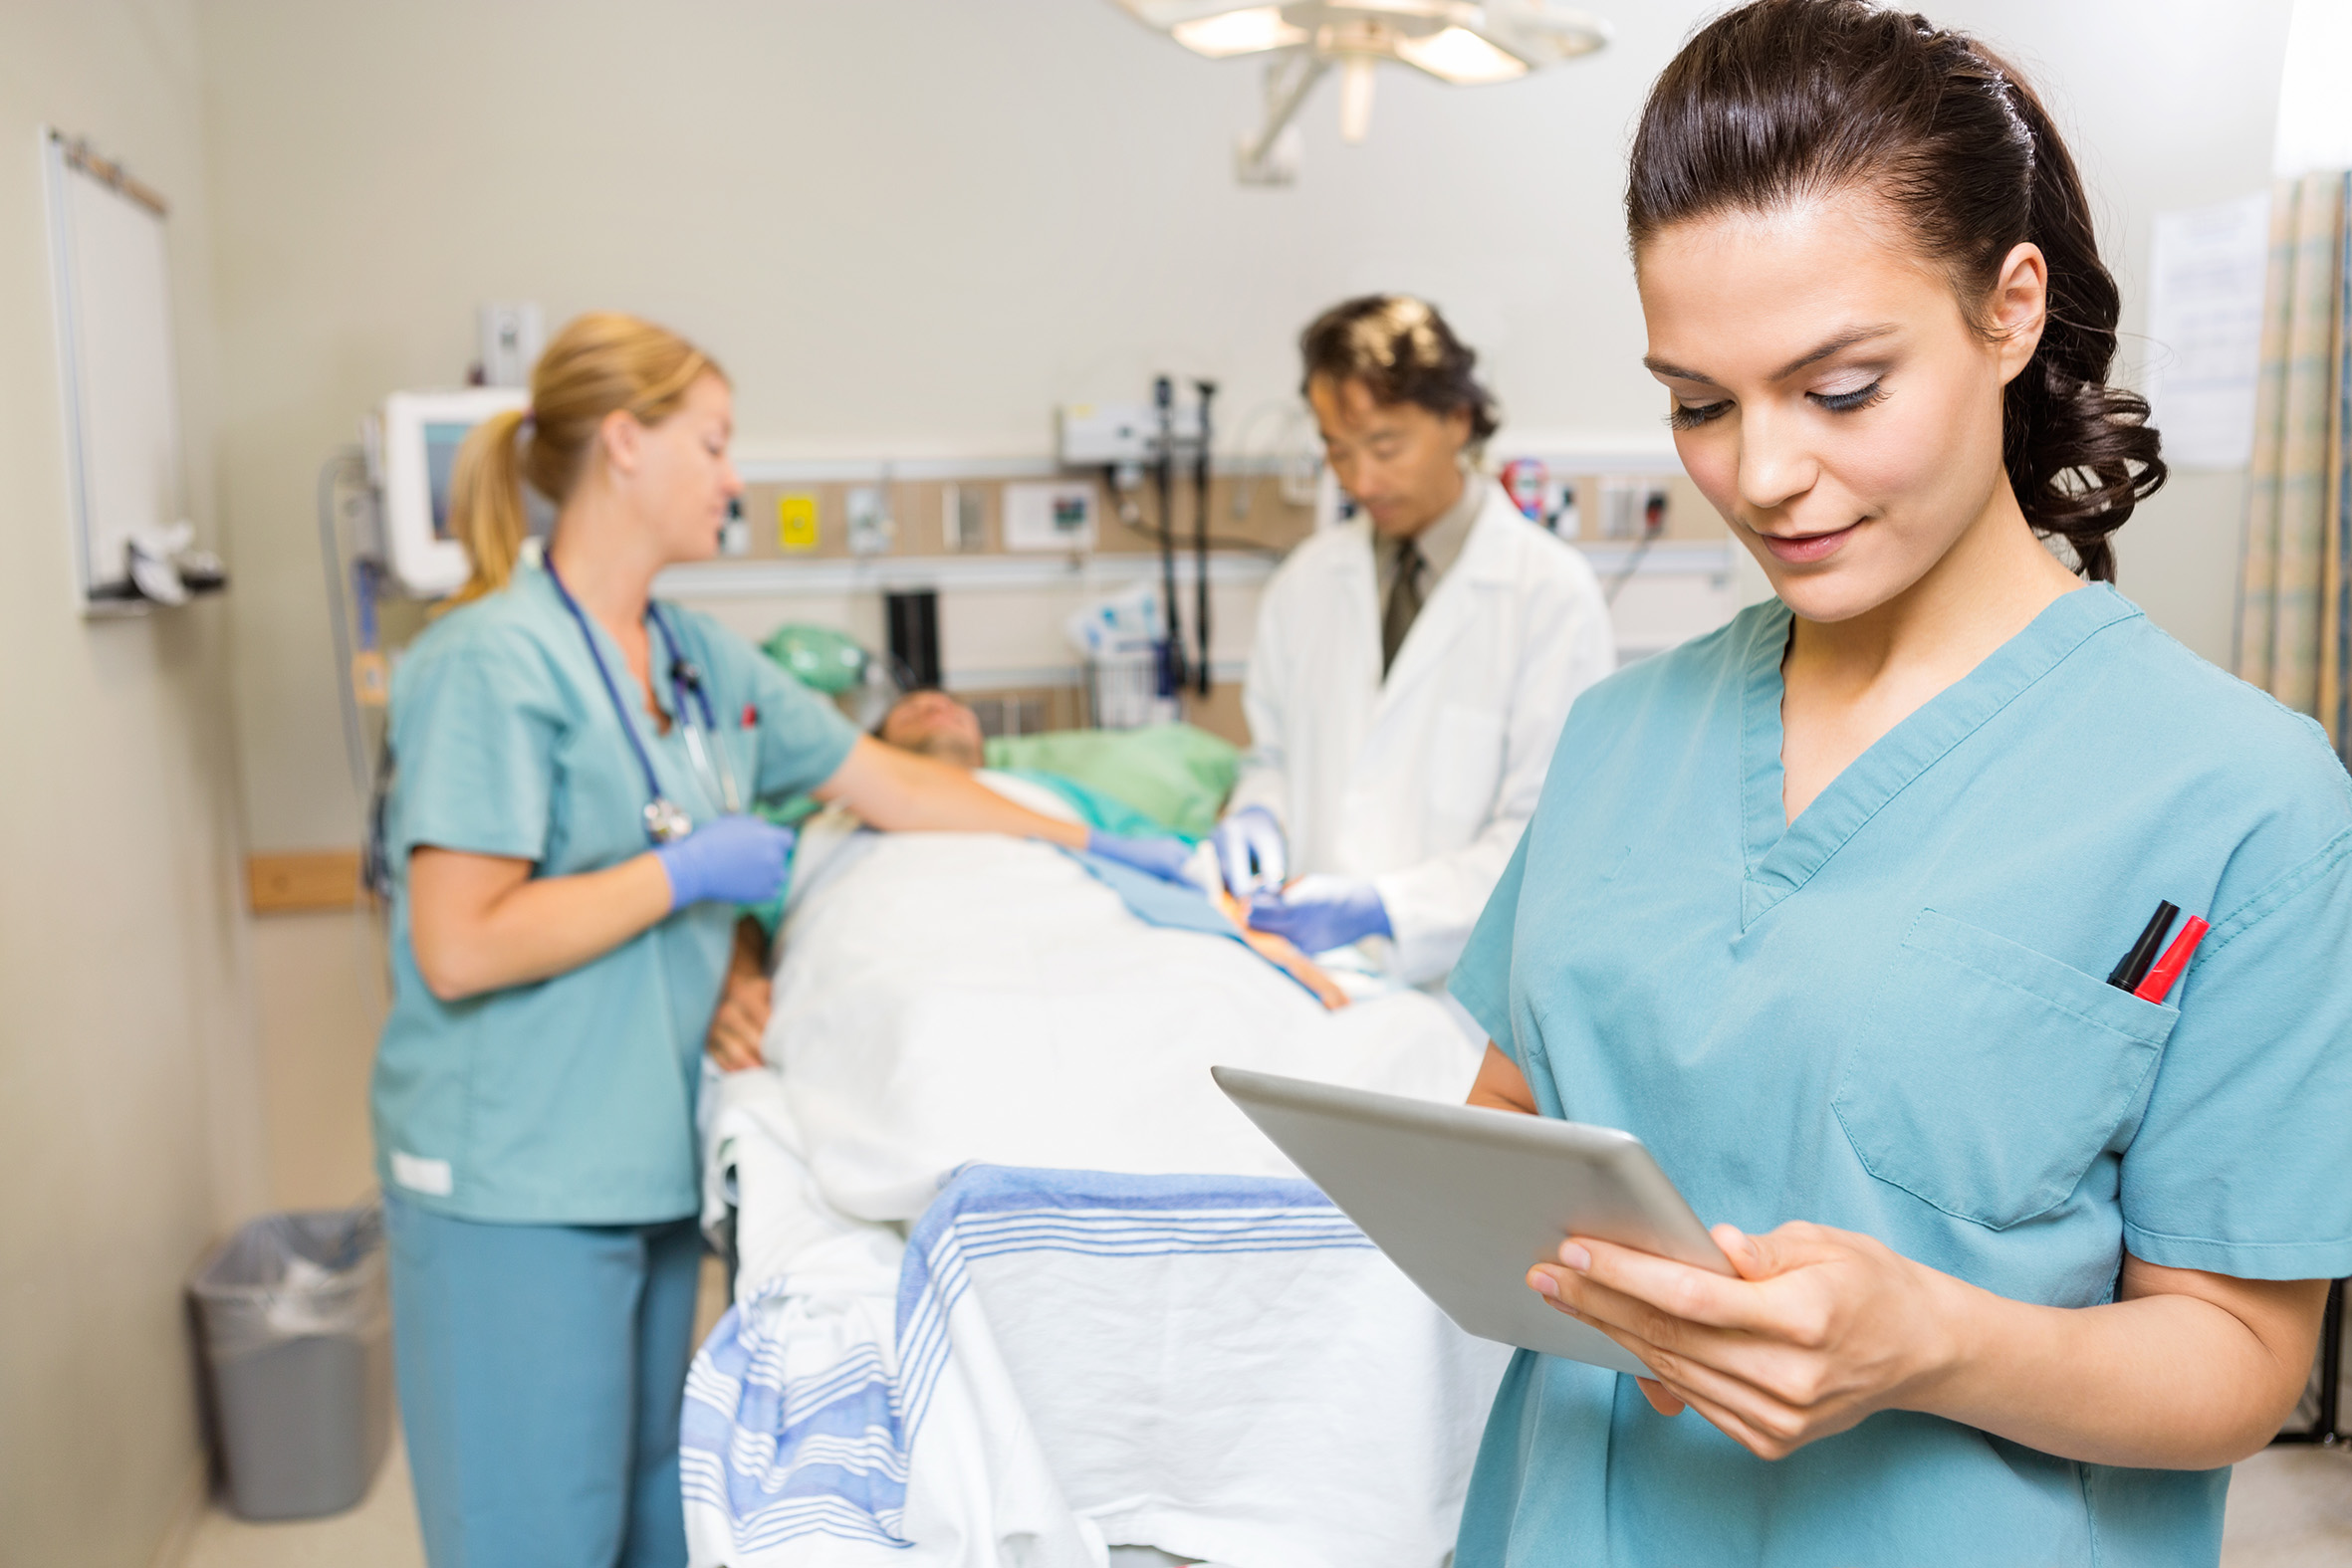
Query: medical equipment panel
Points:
[412, 455]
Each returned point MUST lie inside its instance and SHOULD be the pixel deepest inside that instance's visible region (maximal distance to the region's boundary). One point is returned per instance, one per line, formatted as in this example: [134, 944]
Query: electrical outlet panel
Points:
[963, 518]
[871, 525]
[1106, 435]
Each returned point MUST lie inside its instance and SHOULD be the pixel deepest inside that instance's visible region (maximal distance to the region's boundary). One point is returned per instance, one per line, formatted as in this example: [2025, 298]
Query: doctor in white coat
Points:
[1412, 667]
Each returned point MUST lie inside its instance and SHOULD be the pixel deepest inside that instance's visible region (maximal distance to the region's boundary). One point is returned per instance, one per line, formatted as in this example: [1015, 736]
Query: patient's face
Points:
[936, 725]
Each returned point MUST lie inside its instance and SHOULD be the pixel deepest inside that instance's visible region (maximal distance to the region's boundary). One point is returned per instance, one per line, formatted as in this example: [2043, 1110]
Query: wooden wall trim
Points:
[309, 880]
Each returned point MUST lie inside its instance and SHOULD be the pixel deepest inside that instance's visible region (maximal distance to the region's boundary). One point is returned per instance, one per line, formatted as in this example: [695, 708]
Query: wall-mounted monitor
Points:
[417, 437]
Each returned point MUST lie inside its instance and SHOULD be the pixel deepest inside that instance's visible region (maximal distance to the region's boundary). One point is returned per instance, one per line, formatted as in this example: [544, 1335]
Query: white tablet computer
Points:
[1464, 1199]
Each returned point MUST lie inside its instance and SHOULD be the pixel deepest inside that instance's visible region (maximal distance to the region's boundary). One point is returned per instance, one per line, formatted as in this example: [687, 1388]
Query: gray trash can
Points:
[298, 1356]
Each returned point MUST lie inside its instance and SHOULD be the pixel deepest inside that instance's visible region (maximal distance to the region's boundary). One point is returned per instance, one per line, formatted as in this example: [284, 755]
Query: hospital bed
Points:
[1015, 1283]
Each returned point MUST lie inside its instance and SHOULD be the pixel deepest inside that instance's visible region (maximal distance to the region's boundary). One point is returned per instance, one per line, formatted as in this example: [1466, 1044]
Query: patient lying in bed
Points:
[1014, 1281]
[938, 726]
[948, 998]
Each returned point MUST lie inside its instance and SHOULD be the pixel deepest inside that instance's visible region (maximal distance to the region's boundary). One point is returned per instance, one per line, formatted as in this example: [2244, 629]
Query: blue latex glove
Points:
[1319, 913]
[1164, 858]
[734, 859]
[1250, 854]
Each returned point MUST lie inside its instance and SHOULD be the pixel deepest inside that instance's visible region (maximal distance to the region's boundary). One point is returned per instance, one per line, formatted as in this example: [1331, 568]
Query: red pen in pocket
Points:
[751, 715]
[2176, 958]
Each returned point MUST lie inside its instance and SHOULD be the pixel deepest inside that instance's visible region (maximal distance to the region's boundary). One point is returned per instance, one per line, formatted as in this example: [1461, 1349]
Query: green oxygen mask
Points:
[819, 657]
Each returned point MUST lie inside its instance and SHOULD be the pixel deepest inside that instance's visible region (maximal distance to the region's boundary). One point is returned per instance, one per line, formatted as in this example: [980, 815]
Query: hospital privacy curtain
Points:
[2294, 603]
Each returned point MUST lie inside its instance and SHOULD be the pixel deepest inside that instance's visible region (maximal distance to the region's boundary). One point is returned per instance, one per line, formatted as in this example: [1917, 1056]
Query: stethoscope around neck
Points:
[666, 820]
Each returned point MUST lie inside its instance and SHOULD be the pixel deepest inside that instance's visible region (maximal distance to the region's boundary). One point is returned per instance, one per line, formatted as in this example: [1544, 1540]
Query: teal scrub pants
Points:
[540, 1372]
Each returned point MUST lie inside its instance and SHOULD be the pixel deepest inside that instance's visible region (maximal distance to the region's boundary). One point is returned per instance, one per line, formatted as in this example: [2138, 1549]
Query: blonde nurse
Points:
[569, 838]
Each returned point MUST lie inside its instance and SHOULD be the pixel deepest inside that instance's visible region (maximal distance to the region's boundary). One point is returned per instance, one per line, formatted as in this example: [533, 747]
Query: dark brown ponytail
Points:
[1784, 99]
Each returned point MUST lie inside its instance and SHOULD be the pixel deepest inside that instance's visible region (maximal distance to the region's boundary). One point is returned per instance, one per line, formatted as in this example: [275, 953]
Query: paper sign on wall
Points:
[2205, 322]
[1050, 517]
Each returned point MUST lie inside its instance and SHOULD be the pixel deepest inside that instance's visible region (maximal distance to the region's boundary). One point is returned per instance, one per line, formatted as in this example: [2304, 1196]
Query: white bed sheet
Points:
[948, 998]
[1066, 1360]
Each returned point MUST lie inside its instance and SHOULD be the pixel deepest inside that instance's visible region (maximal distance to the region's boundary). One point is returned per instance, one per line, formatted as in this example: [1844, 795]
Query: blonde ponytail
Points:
[486, 503]
[600, 363]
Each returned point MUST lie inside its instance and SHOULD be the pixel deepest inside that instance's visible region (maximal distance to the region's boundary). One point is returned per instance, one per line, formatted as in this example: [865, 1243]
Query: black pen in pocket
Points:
[2134, 966]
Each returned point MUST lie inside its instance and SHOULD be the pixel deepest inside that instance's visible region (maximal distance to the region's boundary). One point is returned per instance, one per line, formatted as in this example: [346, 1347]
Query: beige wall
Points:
[2169, 104]
[2164, 108]
[319, 987]
[128, 1092]
[910, 229]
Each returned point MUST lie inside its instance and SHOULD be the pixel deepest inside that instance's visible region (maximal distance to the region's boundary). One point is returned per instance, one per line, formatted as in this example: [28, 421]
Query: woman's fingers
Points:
[1741, 1251]
[1739, 1428]
[1758, 1411]
[1774, 1358]
[1820, 1328]
[1679, 1354]
[1640, 1327]
[1748, 1415]
[1692, 1296]
[1674, 1313]
[1767, 1362]
[1784, 1250]
[1662, 1400]
[1627, 1339]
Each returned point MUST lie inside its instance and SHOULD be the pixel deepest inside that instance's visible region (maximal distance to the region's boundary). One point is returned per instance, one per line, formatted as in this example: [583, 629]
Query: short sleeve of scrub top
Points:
[1892, 1017]
[479, 725]
[569, 1100]
[791, 730]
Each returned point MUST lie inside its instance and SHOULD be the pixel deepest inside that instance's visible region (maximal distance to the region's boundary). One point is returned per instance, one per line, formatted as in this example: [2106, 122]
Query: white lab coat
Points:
[1422, 783]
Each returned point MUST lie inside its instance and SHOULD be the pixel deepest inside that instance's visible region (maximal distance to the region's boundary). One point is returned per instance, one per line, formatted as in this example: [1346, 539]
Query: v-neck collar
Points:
[605, 649]
[1781, 856]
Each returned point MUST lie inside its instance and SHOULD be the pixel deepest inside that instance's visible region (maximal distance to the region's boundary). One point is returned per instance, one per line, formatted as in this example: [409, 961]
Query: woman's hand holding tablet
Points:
[1817, 1328]
[1821, 1328]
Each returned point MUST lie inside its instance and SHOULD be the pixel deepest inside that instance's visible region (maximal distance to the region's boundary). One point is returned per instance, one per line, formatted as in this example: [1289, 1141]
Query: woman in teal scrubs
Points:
[1823, 905]
[568, 838]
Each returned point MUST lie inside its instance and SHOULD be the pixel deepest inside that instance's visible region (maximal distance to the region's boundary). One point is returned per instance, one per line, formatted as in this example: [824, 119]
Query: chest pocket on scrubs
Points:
[1996, 1075]
[1465, 763]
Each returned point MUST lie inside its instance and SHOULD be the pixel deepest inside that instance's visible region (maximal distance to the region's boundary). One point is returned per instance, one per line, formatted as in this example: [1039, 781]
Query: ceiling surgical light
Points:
[1462, 42]
[1247, 32]
[1461, 57]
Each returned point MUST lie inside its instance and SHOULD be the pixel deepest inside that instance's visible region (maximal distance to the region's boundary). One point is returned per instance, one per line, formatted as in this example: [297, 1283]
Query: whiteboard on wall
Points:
[122, 393]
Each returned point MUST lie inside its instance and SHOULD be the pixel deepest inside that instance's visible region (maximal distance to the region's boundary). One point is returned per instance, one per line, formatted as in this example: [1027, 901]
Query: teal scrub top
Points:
[569, 1100]
[1892, 1017]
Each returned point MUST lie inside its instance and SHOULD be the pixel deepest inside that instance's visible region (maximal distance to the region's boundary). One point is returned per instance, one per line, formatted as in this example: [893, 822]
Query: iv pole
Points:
[1200, 542]
[1163, 394]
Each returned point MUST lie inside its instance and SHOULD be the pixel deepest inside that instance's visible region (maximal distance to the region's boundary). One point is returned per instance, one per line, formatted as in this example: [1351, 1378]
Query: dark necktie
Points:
[1404, 602]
